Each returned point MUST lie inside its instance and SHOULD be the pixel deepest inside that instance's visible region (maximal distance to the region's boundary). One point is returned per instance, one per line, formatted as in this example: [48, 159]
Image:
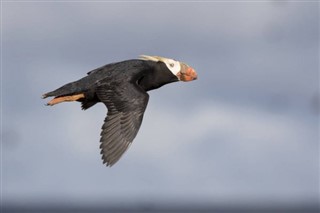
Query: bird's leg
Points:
[60, 99]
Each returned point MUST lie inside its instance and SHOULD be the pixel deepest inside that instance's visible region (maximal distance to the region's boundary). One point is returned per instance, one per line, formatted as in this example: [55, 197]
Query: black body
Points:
[122, 87]
[148, 75]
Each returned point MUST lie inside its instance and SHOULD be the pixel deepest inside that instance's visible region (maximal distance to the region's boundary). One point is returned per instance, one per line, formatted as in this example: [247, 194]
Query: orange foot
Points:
[65, 98]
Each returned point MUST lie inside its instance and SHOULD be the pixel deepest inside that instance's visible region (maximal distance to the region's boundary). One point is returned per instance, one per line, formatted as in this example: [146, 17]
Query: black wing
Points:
[126, 103]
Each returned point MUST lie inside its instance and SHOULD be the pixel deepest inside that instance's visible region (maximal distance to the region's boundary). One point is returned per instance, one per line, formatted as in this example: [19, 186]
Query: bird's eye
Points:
[171, 64]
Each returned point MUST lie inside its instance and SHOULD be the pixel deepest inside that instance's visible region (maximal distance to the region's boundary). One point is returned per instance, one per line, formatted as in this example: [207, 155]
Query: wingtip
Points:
[108, 164]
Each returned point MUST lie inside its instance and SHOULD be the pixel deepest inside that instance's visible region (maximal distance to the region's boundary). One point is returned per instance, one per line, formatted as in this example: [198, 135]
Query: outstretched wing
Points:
[126, 103]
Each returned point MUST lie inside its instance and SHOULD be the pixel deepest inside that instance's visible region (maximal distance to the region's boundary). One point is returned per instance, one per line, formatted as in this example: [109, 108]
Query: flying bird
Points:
[122, 87]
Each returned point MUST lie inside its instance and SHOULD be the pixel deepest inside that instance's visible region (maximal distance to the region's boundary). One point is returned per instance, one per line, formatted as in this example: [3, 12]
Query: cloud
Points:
[242, 132]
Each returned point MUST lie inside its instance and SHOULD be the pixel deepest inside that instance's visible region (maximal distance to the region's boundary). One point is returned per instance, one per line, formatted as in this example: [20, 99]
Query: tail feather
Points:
[67, 89]
[81, 90]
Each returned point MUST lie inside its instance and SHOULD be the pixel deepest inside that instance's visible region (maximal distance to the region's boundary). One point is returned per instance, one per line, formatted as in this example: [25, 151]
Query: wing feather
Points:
[126, 103]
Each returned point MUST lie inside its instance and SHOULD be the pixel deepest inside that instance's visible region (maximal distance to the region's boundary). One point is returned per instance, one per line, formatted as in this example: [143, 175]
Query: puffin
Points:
[122, 87]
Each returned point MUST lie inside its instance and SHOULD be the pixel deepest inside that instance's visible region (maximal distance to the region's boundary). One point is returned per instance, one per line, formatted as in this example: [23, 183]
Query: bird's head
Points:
[183, 71]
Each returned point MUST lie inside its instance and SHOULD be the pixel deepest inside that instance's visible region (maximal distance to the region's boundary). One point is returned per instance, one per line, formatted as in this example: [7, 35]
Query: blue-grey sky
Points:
[245, 132]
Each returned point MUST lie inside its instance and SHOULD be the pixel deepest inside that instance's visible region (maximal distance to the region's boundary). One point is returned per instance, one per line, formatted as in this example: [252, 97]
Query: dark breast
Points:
[148, 75]
[156, 76]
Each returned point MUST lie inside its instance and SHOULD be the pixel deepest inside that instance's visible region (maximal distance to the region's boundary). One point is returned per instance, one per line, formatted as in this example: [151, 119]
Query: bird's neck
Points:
[155, 78]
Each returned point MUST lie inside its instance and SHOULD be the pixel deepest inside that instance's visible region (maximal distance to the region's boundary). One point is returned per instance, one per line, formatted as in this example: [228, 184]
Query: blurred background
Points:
[245, 135]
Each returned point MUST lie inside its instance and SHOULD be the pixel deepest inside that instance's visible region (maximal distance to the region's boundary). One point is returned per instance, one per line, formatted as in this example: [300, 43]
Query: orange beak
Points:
[187, 73]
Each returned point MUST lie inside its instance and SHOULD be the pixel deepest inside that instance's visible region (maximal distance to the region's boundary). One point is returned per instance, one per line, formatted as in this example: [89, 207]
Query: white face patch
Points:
[172, 65]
